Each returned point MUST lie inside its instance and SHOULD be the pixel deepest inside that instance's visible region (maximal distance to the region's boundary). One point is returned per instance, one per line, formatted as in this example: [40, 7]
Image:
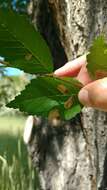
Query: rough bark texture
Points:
[72, 156]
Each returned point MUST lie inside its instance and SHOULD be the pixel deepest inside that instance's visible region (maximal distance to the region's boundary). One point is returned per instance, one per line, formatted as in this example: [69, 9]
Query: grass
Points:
[16, 171]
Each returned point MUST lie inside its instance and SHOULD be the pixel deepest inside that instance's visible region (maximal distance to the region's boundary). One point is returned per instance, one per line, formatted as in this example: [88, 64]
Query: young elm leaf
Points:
[42, 95]
[21, 45]
[97, 58]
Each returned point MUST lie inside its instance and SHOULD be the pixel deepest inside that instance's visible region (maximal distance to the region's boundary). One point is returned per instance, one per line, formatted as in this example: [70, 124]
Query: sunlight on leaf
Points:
[97, 58]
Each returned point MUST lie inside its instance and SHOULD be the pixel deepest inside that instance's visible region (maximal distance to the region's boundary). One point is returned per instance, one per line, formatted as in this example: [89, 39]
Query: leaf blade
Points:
[47, 96]
[97, 58]
[29, 39]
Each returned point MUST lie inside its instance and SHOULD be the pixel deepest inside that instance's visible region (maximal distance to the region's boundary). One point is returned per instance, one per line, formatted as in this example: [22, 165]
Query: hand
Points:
[94, 93]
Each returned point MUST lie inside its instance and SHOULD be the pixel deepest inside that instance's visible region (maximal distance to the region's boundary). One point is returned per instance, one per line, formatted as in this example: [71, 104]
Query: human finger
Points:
[95, 94]
[83, 75]
[71, 68]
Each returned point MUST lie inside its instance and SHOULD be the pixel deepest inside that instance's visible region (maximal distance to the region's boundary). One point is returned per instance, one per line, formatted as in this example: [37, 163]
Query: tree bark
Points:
[73, 155]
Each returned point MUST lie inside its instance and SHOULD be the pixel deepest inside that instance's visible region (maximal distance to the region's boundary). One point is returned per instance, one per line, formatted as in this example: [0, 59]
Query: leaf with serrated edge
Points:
[21, 45]
[42, 95]
[97, 58]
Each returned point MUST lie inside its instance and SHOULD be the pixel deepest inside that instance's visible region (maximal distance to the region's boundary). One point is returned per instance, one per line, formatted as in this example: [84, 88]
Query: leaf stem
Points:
[4, 62]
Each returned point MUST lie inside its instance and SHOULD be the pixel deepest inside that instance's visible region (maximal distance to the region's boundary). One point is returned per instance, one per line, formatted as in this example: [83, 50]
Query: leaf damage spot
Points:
[54, 114]
[54, 118]
[100, 74]
[62, 89]
[28, 57]
[68, 104]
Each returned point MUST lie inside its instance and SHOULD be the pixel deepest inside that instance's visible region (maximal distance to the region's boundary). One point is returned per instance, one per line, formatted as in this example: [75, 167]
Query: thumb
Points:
[95, 94]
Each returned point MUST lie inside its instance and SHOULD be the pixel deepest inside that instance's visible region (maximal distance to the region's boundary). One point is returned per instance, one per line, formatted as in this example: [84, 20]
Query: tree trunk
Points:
[73, 155]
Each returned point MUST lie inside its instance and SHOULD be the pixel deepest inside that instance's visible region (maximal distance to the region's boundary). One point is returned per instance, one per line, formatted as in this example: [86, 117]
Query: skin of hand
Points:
[94, 93]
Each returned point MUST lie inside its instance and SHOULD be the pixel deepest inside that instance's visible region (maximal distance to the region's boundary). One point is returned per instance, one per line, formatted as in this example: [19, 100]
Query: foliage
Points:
[51, 93]
[19, 5]
[16, 171]
[11, 175]
[4, 3]
[97, 58]
[31, 53]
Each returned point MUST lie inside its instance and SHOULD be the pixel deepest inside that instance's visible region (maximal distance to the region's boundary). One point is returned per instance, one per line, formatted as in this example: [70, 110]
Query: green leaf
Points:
[72, 111]
[23, 48]
[21, 45]
[45, 93]
[97, 58]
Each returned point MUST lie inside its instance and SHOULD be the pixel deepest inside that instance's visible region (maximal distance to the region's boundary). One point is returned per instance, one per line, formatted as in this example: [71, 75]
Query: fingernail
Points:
[84, 97]
[55, 72]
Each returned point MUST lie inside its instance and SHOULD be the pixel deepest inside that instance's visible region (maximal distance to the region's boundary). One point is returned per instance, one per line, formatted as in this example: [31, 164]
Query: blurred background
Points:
[16, 171]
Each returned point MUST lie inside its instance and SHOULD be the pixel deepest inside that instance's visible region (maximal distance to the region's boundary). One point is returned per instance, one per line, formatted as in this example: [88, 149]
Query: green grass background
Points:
[16, 171]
